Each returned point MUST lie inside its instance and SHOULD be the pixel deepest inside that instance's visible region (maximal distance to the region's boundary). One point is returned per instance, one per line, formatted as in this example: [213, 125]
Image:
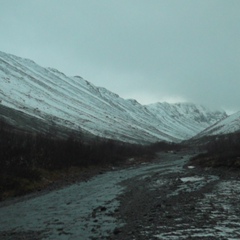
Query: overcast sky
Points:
[149, 50]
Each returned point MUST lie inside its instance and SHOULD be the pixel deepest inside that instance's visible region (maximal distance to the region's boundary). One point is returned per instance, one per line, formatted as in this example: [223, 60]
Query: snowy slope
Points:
[185, 119]
[229, 124]
[75, 103]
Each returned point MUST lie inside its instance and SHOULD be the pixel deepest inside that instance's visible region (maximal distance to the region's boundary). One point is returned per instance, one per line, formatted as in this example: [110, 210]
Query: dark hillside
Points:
[221, 151]
[28, 159]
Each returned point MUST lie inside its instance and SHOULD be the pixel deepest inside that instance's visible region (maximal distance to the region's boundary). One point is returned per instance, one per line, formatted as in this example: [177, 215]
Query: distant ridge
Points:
[227, 125]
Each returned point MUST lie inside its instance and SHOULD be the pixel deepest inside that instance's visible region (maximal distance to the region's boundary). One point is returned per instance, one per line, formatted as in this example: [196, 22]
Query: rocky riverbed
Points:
[165, 199]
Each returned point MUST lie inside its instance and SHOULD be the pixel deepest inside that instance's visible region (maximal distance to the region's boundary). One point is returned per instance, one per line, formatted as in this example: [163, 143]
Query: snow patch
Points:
[191, 179]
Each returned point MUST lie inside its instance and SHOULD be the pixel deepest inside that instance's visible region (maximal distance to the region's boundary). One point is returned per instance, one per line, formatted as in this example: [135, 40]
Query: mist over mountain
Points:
[50, 97]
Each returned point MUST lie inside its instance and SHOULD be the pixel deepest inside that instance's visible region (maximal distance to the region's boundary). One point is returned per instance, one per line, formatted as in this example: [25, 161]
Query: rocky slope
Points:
[74, 103]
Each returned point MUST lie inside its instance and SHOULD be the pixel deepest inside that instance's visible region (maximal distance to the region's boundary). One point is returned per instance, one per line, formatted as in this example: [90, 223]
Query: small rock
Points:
[116, 231]
[102, 209]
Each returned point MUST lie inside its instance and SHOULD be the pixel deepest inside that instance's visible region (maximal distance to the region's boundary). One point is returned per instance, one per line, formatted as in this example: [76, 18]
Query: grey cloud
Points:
[152, 50]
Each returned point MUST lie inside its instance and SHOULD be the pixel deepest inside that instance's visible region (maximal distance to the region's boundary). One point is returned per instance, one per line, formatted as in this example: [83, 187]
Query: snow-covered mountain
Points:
[229, 124]
[184, 119]
[74, 103]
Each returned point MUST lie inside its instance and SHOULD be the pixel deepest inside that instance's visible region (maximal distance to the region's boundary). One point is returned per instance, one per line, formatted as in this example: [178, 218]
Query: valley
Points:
[164, 199]
[80, 162]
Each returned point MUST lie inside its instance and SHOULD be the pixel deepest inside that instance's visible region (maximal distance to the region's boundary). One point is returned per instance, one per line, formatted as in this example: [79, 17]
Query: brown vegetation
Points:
[221, 151]
[31, 161]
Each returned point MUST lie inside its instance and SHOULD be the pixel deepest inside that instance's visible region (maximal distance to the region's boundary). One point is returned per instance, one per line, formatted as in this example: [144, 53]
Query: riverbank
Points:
[164, 199]
[59, 179]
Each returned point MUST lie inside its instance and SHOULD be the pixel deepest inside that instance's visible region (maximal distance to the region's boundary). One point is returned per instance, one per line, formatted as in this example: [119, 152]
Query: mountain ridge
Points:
[75, 103]
[228, 125]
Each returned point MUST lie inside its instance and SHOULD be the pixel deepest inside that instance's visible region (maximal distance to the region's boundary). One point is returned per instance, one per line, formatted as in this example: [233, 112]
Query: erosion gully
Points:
[164, 199]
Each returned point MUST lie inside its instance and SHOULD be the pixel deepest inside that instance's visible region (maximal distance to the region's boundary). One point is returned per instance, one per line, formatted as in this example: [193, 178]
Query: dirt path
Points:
[160, 200]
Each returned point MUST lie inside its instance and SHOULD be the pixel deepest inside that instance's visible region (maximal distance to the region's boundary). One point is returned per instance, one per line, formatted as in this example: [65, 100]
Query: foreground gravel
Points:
[165, 199]
[182, 203]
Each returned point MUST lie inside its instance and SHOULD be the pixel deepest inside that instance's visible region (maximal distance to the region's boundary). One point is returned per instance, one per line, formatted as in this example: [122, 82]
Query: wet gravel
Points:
[165, 199]
[191, 204]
